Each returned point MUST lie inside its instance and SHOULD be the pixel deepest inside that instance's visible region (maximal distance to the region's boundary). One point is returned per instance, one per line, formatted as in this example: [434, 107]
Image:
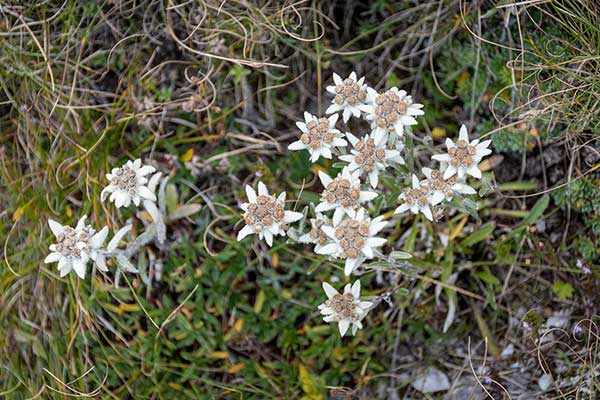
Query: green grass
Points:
[86, 86]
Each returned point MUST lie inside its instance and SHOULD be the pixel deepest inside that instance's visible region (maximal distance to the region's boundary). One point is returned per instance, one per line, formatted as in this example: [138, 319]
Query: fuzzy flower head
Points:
[350, 94]
[391, 111]
[353, 239]
[265, 215]
[129, 184]
[463, 156]
[342, 194]
[371, 155]
[443, 189]
[416, 199]
[316, 234]
[319, 136]
[74, 247]
[346, 309]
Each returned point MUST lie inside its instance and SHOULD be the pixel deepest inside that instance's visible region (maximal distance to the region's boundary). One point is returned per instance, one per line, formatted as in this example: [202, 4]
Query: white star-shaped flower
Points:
[129, 184]
[353, 239]
[443, 189]
[391, 111]
[416, 199]
[463, 156]
[350, 94]
[265, 215]
[316, 234]
[346, 309]
[75, 247]
[371, 155]
[342, 194]
[319, 136]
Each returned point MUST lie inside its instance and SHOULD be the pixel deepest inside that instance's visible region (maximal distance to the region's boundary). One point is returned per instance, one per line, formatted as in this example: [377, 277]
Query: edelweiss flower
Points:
[128, 183]
[349, 95]
[316, 234]
[354, 239]
[443, 189]
[345, 309]
[463, 157]
[76, 246]
[342, 194]
[371, 155]
[265, 215]
[391, 111]
[416, 199]
[318, 136]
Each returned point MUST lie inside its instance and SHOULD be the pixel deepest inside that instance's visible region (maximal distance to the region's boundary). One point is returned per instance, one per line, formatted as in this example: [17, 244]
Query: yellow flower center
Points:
[318, 132]
[462, 154]
[341, 191]
[349, 92]
[352, 236]
[388, 109]
[265, 212]
[368, 154]
[69, 238]
[343, 306]
[125, 179]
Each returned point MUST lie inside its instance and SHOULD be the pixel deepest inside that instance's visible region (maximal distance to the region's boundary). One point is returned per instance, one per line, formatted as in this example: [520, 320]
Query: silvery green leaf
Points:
[143, 268]
[486, 187]
[125, 263]
[141, 240]
[162, 196]
[157, 217]
[114, 242]
[470, 205]
[172, 198]
[451, 313]
[154, 181]
[400, 255]
[184, 211]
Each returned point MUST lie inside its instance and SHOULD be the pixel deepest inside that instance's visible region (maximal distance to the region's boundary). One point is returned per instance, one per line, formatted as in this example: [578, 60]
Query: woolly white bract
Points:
[342, 194]
[346, 309]
[463, 156]
[370, 155]
[129, 184]
[353, 239]
[265, 215]
[350, 95]
[319, 136]
[391, 111]
[75, 247]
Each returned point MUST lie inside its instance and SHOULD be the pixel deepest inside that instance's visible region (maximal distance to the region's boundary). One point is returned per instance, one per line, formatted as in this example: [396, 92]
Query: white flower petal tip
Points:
[463, 156]
[265, 215]
[129, 184]
[344, 308]
[319, 136]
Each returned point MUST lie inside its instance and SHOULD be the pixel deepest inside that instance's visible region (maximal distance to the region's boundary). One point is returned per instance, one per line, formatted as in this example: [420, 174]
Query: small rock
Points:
[431, 380]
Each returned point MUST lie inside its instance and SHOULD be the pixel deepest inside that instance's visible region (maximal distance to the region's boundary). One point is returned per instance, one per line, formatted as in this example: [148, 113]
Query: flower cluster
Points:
[349, 233]
[265, 215]
[76, 247]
